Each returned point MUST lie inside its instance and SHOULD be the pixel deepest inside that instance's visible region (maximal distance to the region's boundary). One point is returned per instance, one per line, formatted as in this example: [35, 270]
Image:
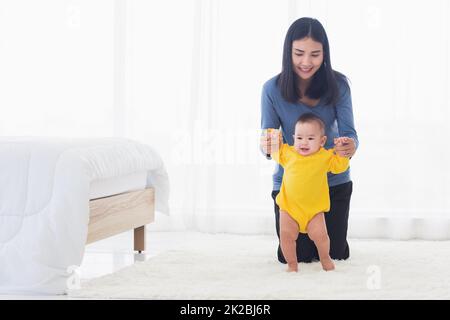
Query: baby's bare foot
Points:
[292, 268]
[327, 264]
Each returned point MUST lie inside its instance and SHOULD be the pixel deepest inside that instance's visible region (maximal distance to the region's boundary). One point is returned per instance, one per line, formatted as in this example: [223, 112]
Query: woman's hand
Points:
[345, 146]
[270, 140]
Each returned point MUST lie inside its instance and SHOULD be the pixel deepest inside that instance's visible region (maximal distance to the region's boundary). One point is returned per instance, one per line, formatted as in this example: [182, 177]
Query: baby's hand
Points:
[344, 146]
[271, 140]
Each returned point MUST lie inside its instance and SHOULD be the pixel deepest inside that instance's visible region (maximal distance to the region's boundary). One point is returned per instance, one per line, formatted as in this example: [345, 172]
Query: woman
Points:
[307, 83]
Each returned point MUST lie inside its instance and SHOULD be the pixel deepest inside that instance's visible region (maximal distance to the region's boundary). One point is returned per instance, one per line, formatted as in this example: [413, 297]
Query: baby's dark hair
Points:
[311, 117]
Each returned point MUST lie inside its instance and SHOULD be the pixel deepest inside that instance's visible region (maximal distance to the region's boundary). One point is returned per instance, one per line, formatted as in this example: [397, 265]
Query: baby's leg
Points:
[288, 238]
[317, 231]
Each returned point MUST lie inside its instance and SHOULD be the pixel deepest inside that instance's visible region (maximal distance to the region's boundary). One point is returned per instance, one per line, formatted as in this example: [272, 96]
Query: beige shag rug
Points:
[245, 267]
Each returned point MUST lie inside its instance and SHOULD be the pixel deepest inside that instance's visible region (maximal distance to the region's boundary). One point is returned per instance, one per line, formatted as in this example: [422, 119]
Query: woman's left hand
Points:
[345, 146]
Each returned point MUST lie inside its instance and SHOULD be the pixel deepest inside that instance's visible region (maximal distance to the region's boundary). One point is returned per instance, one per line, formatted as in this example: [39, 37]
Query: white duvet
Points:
[44, 203]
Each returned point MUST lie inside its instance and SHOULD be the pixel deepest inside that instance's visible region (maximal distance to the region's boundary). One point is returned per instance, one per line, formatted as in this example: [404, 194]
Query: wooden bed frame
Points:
[119, 213]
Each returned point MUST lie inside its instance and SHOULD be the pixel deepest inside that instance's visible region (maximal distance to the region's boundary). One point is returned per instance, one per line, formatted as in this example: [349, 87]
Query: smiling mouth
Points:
[304, 149]
[305, 70]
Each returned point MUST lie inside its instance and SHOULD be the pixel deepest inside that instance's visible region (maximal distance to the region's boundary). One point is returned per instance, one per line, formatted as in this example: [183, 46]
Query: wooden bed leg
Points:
[139, 239]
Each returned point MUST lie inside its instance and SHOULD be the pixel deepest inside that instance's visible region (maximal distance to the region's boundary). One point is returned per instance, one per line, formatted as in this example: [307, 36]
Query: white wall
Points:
[56, 62]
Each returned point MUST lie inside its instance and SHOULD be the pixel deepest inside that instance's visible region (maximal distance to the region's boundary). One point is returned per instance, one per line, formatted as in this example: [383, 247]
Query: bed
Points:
[57, 195]
[120, 204]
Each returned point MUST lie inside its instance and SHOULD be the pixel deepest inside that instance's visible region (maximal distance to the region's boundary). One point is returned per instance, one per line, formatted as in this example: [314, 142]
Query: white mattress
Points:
[111, 186]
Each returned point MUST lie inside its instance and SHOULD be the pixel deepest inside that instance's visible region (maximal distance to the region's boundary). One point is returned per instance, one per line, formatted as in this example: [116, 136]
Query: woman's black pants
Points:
[337, 224]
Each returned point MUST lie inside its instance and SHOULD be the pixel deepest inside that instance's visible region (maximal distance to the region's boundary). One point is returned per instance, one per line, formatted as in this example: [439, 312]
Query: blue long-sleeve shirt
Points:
[276, 112]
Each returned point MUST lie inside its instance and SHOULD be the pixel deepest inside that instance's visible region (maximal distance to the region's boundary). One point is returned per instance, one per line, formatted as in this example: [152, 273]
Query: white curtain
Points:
[185, 76]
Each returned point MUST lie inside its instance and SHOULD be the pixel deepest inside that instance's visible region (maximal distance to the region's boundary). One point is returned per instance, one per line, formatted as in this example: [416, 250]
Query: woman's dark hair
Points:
[324, 82]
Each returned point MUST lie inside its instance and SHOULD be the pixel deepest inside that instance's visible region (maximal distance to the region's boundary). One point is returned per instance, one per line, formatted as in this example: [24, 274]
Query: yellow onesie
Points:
[304, 190]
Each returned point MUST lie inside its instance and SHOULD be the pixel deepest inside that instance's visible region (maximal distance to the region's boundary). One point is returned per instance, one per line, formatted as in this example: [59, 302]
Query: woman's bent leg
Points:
[337, 220]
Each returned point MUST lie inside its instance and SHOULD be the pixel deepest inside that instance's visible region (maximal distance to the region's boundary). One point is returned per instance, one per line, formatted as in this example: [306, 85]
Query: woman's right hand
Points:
[270, 140]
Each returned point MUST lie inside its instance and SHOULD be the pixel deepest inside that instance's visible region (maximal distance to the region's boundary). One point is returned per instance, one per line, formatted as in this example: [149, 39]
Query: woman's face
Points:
[307, 57]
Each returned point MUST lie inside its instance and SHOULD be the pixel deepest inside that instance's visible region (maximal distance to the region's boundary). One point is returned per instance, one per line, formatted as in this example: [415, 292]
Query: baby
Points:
[304, 194]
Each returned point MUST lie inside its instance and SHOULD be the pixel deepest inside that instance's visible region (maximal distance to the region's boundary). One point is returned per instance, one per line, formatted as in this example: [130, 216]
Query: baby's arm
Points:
[338, 164]
[278, 155]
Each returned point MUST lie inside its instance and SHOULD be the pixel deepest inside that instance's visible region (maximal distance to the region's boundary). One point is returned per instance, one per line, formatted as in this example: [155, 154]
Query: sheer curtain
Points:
[185, 76]
[397, 56]
[195, 77]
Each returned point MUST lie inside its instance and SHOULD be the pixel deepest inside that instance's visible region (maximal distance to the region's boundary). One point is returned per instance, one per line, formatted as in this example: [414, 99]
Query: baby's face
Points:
[308, 138]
